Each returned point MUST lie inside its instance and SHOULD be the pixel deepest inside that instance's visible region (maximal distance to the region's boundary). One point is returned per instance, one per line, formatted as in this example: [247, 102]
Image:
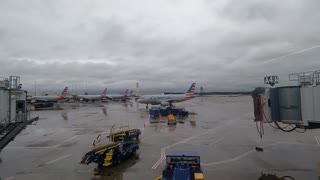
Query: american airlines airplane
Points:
[168, 99]
[118, 97]
[55, 98]
[93, 97]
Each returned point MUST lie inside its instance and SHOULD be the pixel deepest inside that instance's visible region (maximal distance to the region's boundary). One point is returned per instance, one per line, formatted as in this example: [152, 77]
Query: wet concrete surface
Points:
[220, 128]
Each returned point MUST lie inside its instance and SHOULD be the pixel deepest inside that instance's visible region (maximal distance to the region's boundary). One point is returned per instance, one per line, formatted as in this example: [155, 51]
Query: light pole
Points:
[35, 88]
[39, 92]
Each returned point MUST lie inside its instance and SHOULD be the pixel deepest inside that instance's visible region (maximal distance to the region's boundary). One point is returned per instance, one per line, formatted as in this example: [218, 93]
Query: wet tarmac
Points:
[220, 128]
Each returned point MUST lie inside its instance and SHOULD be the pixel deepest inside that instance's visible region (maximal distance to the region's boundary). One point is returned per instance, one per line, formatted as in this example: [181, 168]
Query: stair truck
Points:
[120, 145]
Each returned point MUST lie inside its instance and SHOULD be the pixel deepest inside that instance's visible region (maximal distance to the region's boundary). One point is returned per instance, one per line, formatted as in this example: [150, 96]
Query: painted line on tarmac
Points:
[317, 139]
[157, 163]
[60, 158]
[162, 157]
[180, 142]
[251, 151]
[68, 140]
[218, 140]
[9, 178]
[43, 147]
[210, 141]
[28, 147]
[163, 150]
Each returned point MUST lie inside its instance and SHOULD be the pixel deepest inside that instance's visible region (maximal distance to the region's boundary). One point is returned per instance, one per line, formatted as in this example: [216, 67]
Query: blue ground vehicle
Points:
[121, 145]
[165, 111]
[182, 165]
[154, 112]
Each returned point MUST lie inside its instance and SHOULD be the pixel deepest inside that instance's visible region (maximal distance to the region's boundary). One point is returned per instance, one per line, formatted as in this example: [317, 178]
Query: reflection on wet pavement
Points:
[220, 128]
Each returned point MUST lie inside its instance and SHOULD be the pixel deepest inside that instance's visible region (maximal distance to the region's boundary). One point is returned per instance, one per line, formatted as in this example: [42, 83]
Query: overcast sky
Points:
[165, 44]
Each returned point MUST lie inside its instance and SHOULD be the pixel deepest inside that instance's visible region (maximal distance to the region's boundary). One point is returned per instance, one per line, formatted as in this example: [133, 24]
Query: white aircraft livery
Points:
[168, 99]
[118, 97]
[54, 98]
[93, 97]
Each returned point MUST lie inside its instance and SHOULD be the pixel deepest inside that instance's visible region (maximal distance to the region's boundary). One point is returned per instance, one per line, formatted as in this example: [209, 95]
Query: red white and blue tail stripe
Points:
[191, 90]
[125, 93]
[104, 93]
[63, 94]
[65, 91]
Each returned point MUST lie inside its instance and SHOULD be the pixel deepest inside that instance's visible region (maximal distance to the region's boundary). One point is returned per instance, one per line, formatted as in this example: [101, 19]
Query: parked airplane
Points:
[55, 98]
[168, 99]
[92, 97]
[131, 94]
[118, 97]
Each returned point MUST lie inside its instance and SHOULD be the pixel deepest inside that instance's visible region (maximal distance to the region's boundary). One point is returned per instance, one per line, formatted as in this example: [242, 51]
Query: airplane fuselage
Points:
[159, 99]
[90, 97]
[116, 96]
[45, 98]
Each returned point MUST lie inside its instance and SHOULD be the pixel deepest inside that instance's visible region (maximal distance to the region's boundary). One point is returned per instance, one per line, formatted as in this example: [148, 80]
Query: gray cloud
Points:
[221, 45]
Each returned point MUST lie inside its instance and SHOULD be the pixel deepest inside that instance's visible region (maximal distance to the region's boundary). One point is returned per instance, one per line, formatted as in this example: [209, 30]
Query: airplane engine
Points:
[164, 103]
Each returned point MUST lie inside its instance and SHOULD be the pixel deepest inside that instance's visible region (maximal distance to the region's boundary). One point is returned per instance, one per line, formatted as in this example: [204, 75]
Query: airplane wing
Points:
[44, 100]
[107, 97]
[86, 98]
[40, 100]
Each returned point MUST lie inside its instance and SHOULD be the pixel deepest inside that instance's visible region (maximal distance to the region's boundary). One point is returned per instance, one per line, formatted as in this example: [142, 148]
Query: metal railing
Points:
[5, 119]
[4, 83]
[317, 77]
[306, 78]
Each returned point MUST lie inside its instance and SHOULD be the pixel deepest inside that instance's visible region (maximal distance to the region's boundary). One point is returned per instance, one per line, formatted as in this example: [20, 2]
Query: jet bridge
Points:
[297, 105]
[14, 116]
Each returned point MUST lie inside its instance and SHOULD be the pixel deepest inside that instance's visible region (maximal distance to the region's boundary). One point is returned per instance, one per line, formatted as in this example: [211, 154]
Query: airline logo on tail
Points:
[20, 87]
[191, 90]
[126, 93]
[64, 93]
[104, 93]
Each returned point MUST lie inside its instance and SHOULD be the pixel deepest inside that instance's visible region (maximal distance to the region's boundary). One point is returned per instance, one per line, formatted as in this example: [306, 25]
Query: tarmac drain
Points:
[259, 149]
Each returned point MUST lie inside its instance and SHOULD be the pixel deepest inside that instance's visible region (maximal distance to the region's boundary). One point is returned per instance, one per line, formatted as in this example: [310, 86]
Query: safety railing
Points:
[4, 83]
[317, 77]
[306, 78]
[4, 121]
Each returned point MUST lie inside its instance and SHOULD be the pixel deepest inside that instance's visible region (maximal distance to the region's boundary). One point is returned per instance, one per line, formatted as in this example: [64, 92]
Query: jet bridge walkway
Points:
[9, 131]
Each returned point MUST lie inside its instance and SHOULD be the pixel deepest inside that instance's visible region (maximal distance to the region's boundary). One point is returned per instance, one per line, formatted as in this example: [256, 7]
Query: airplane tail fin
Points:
[104, 93]
[191, 90]
[131, 93]
[126, 92]
[64, 92]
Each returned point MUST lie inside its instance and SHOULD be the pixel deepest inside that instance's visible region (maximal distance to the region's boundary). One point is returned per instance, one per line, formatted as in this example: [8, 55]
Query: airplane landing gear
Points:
[147, 106]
